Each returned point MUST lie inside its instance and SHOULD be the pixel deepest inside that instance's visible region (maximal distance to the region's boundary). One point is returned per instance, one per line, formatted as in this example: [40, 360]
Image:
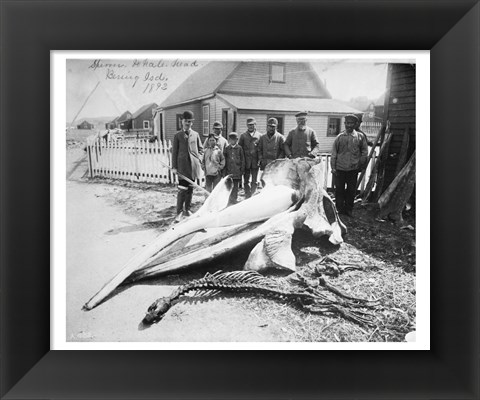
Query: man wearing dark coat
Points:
[249, 143]
[187, 151]
[301, 141]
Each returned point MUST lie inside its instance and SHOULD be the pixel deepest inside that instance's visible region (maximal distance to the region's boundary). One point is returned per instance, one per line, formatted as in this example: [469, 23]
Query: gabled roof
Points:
[123, 117]
[202, 83]
[142, 109]
[287, 104]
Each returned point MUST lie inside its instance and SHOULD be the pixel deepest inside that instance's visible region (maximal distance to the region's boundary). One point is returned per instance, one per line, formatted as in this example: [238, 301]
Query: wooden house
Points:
[399, 109]
[143, 117]
[233, 91]
[112, 124]
[124, 121]
[85, 125]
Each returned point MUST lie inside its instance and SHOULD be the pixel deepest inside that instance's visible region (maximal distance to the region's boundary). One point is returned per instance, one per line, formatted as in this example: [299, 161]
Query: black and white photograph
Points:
[241, 200]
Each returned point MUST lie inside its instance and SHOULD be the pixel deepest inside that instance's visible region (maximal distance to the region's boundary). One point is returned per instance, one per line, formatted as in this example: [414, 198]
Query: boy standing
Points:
[234, 164]
[213, 163]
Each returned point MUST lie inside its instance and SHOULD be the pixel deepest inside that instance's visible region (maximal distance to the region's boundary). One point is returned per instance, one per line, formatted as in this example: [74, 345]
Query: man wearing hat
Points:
[349, 157]
[186, 160]
[270, 145]
[249, 143]
[301, 141]
[234, 164]
[217, 131]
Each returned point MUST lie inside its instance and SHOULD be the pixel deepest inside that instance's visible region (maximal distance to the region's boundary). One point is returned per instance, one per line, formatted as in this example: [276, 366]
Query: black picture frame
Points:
[30, 29]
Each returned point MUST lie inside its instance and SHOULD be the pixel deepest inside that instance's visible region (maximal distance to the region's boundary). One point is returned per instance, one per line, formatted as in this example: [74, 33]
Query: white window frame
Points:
[284, 66]
[206, 121]
[339, 126]
[147, 123]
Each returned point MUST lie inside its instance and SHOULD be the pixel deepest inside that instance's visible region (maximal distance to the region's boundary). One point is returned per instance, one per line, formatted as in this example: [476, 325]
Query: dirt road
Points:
[100, 238]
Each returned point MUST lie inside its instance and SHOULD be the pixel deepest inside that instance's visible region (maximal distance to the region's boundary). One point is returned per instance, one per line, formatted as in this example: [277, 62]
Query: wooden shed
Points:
[143, 117]
[124, 121]
[399, 109]
[85, 125]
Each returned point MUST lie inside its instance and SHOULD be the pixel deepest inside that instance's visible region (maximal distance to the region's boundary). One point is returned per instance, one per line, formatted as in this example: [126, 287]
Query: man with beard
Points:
[302, 141]
[186, 155]
[248, 142]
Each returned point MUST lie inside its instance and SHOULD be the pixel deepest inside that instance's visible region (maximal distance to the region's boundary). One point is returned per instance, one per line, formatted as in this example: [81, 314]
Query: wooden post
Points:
[381, 134]
[89, 155]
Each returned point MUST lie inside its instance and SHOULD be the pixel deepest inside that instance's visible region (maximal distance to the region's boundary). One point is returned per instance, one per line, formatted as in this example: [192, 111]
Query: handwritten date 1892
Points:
[150, 87]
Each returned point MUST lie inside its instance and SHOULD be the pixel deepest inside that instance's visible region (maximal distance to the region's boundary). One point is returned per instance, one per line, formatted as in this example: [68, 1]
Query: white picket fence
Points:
[134, 160]
[142, 161]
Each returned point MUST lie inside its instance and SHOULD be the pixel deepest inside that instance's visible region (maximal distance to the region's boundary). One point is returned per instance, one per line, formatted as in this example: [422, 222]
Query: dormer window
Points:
[277, 72]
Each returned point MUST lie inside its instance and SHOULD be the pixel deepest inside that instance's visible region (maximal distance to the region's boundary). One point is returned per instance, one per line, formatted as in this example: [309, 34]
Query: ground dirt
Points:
[108, 221]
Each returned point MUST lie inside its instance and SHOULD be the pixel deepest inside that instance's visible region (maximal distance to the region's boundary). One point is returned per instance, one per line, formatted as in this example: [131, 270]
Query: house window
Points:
[277, 72]
[280, 119]
[333, 126]
[146, 124]
[179, 122]
[206, 119]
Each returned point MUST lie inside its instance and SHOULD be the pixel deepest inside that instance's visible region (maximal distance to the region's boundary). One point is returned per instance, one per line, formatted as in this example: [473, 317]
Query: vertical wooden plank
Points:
[136, 158]
[89, 160]
[114, 159]
[133, 155]
[156, 163]
[164, 159]
[98, 145]
[143, 159]
[151, 171]
[149, 160]
[122, 159]
[126, 155]
[109, 159]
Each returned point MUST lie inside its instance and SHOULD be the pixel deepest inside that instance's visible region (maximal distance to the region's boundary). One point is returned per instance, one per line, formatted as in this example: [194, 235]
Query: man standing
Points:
[186, 155]
[234, 165]
[302, 141]
[248, 142]
[349, 157]
[270, 145]
[217, 131]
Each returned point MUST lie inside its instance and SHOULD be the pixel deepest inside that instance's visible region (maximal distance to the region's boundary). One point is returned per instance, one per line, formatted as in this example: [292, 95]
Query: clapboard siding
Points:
[254, 78]
[171, 119]
[401, 113]
[318, 122]
[137, 123]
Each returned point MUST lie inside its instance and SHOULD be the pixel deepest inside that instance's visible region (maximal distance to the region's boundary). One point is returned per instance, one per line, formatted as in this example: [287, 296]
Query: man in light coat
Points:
[349, 157]
[187, 151]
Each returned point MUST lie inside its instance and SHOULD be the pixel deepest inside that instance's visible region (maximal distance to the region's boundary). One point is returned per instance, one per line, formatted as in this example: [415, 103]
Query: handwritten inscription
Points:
[133, 72]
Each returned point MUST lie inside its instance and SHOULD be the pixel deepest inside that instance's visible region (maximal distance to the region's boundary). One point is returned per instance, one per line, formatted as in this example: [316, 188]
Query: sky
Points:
[108, 88]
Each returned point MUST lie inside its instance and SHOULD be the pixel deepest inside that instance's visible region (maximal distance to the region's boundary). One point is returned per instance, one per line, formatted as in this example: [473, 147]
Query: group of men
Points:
[244, 156]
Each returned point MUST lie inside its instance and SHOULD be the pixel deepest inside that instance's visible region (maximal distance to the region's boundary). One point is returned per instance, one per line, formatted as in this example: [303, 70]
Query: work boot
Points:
[180, 200]
[188, 202]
